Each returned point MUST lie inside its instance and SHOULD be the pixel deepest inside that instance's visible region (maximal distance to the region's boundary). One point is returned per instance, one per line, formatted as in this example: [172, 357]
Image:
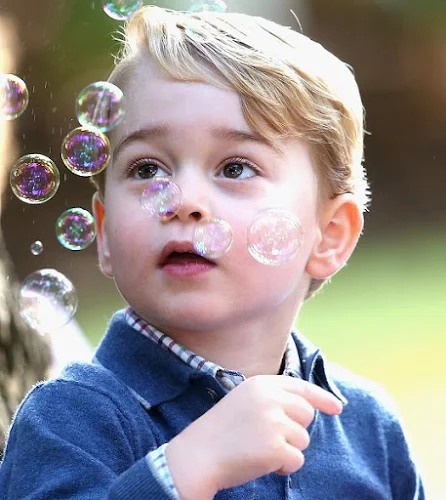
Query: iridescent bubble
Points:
[121, 10]
[75, 229]
[86, 151]
[208, 6]
[161, 199]
[100, 105]
[36, 247]
[34, 178]
[274, 236]
[47, 300]
[212, 238]
[14, 96]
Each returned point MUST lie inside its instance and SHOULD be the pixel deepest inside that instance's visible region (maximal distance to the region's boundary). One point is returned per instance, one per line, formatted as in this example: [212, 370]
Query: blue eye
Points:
[238, 168]
[146, 169]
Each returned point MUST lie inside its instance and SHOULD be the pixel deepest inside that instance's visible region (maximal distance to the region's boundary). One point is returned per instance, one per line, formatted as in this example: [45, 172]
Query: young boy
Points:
[201, 389]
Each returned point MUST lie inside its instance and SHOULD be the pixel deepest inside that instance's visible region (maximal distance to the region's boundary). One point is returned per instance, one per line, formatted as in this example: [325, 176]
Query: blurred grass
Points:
[383, 316]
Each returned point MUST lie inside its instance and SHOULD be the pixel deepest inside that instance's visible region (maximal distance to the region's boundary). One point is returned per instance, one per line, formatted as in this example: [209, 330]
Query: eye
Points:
[238, 168]
[145, 168]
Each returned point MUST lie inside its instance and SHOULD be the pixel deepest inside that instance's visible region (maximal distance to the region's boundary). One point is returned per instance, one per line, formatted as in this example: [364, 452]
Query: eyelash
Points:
[138, 162]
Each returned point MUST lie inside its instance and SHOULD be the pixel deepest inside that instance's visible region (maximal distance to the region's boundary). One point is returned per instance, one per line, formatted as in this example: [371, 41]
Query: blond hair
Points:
[289, 85]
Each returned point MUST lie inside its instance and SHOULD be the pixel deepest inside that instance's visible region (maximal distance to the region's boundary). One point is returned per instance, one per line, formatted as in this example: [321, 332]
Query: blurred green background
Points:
[383, 316]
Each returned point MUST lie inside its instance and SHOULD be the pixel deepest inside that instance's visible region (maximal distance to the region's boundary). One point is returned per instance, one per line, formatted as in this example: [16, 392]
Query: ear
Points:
[340, 225]
[101, 236]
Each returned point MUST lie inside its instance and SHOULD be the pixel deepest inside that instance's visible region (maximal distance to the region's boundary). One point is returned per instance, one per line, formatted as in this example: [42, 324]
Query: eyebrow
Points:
[220, 133]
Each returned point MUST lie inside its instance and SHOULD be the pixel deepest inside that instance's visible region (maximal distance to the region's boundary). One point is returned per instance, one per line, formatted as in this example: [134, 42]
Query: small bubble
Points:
[34, 178]
[121, 10]
[161, 199]
[274, 237]
[208, 6]
[212, 238]
[14, 96]
[47, 300]
[75, 229]
[100, 105]
[36, 247]
[86, 151]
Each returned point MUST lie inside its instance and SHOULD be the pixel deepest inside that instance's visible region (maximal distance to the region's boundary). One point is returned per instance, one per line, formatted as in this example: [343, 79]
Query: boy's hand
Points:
[257, 428]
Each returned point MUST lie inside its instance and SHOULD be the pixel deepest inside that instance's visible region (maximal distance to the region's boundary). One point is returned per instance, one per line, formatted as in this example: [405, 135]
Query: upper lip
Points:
[177, 247]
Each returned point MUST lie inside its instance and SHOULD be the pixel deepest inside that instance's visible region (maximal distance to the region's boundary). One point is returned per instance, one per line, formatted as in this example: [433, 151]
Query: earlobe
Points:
[101, 236]
[341, 223]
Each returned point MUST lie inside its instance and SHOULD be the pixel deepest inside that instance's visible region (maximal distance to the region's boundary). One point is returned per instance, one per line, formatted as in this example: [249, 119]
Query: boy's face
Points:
[193, 148]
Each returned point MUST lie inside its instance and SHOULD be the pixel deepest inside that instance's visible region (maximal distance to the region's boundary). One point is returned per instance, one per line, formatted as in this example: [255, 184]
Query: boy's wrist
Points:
[191, 470]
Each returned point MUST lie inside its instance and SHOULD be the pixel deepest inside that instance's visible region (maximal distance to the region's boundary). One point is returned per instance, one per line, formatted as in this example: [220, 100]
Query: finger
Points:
[293, 460]
[297, 436]
[298, 409]
[319, 398]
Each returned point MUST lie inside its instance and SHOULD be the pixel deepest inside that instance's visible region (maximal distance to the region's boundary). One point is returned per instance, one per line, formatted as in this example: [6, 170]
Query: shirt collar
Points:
[155, 376]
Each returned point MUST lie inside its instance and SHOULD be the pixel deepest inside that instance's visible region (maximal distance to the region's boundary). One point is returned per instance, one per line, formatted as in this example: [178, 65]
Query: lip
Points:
[185, 269]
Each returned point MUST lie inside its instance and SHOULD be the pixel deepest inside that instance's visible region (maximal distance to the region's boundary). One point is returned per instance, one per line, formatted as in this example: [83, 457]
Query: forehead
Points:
[154, 97]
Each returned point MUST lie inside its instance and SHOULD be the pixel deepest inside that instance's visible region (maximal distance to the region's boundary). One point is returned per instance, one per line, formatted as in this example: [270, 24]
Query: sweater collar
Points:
[156, 376]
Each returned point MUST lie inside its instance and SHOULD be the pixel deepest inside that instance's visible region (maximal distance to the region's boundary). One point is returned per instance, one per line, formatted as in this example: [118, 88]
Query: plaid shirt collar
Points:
[292, 366]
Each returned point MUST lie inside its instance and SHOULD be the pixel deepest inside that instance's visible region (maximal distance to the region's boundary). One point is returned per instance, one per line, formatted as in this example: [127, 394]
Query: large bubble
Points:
[100, 105]
[274, 236]
[75, 229]
[86, 151]
[121, 10]
[14, 96]
[161, 199]
[208, 6]
[34, 178]
[212, 238]
[47, 300]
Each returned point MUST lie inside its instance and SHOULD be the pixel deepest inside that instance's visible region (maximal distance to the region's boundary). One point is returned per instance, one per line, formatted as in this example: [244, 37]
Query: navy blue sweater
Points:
[86, 434]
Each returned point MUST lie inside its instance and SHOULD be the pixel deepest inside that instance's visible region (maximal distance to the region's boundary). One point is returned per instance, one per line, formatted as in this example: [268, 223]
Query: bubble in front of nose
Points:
[161, 199]
[121, 10]
[14, 96]
[212, 238]
[274, 237]
[100, 105]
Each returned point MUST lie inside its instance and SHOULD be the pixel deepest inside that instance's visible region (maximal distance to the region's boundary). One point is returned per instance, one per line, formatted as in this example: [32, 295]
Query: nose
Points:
[195, 203]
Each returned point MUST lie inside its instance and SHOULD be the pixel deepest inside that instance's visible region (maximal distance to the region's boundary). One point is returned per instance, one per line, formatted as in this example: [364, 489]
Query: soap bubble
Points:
[75, 229]
[86, 151]
[34, 178]
[274, 237]
[100, 105]
[47, 300]
[36, 247]
[121, 10]
[212, 238]
[161, 199]
[14, 96]
[208, 6]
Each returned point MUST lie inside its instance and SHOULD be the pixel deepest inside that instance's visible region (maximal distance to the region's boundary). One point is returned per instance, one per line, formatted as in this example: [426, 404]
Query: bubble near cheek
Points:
[75, 229]
[212, 238]
[36, 247]
[34, 178]
[86, 151]
[14, 96]
[161, 199]
[100, 105]
[208, 6]
[121, 10]
[47, 300]
[274, 237]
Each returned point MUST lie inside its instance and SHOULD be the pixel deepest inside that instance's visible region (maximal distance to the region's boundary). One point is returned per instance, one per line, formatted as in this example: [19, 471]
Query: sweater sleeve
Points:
[70, 441]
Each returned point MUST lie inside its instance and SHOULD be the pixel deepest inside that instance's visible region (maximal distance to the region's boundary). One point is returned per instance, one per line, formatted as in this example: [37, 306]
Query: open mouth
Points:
[181, 259]
[184, 258]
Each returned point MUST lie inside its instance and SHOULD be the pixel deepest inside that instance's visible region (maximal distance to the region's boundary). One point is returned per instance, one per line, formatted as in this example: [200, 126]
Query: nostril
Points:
[196, 216]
